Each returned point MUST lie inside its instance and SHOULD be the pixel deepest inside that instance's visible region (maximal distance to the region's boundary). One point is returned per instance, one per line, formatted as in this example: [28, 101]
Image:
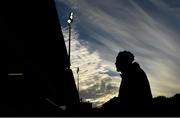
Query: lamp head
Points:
[70, 20]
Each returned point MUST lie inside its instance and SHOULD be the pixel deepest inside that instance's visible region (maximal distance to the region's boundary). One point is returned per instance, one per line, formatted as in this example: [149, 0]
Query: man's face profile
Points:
[118, 66]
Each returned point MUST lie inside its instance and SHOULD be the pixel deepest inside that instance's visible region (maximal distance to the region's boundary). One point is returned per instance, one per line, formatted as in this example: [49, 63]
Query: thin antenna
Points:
[69, 21]
[78, 78]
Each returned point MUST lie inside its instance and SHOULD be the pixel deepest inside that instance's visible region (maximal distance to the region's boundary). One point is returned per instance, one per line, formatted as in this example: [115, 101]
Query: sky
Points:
[100, 29]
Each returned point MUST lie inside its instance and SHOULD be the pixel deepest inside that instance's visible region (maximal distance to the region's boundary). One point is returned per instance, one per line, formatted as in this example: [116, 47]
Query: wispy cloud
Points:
[95, 77]
[148, 28]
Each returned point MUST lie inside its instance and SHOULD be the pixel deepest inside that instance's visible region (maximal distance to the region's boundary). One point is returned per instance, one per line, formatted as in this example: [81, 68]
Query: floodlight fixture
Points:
[70, 20]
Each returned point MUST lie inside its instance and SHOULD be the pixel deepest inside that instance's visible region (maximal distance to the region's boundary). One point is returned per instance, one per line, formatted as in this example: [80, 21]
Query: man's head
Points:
[123, 60]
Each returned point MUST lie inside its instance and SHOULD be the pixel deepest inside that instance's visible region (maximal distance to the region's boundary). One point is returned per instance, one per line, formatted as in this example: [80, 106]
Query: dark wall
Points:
[35, 48]
[33, 32]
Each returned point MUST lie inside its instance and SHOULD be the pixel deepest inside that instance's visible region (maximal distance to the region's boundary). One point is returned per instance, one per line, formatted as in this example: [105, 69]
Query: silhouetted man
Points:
[134, 91]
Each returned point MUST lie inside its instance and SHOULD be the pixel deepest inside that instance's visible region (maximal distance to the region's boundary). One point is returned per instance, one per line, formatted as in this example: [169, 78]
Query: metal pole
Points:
[70, 20]
[78, 78]
[69, 45]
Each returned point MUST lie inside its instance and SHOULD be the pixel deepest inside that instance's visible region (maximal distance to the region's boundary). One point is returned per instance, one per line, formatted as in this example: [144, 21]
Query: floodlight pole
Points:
[70, 20]
[69, 25]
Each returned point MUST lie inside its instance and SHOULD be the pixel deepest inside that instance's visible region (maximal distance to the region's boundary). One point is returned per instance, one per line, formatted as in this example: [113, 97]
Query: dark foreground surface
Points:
[161, 106]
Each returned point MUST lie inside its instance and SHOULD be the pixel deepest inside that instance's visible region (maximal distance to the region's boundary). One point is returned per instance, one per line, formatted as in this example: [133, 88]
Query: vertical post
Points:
[70, 20]
[78, 78]
[69, 25]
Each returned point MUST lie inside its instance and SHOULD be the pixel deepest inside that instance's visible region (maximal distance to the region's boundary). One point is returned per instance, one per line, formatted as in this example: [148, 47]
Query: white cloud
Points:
[95, 81]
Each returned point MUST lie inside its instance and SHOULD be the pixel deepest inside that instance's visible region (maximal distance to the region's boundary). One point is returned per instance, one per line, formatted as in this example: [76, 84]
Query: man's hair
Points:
[125, 56]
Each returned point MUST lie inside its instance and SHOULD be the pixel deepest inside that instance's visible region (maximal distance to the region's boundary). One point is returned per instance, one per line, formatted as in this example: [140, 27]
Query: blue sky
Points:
[148, 28]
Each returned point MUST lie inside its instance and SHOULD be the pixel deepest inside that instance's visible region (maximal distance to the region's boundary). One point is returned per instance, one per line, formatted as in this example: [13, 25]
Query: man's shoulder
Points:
[137, 69]
[135, 66]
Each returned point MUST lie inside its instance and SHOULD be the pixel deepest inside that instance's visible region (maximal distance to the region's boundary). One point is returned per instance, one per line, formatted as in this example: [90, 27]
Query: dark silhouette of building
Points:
[37, 60]
[161, 106]
[164, 106]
